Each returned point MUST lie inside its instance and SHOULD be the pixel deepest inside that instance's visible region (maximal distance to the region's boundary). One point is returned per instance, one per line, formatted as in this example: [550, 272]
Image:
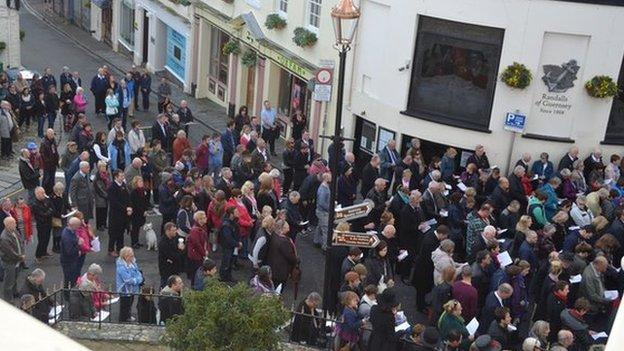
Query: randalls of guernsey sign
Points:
[558, 80]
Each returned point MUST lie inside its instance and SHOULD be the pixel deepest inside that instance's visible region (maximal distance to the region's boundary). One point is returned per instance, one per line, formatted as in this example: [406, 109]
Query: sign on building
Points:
[514, 122]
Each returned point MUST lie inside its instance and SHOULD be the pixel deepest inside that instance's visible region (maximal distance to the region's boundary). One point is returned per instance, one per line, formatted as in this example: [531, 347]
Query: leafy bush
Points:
[250, 58]
[223, 318]
[304, 37]
[231, 47]
[601, 87]
[517, 76]
[275, 21]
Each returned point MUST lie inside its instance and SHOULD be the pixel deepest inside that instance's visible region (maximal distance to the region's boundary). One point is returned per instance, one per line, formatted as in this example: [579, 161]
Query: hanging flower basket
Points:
[249, 58]
[517, 76]
[601, 87]
[304, 37]
[275, 21]
[231, 47]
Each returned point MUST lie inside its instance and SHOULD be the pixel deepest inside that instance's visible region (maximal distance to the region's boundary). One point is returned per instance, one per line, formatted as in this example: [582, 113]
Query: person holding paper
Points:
[592, 284]
[497, 298]
[498, 328]
[555, 304]
[382, 318]
[348, 327]
[33, 285]
[451, 319]
[423, 265]
[477, 221]
[573, 319]
[442, 257]
[543, 168]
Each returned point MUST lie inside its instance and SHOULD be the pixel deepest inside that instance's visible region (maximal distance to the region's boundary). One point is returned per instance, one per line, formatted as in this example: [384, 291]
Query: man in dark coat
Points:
[228, 142]
[229, 239]
[516, 190]
[12, 253]
[99, 85]
[81, 192]
[33, 285]
[500, 197]
[481, 275]
[50, 160]
[384, 337]
[171, 303]
[185, 114]
[170, 254]
[410, 234]
[28, 174]
[42, 210]
[281, 255]
[47, 79]
[70, 252]
[555, 304]
[423, 267]
[160, 131]
[301, 163]
[567, 161]
[369, 174]
[497, 298]
[379, 197]
[479, 158]
[119, 212]
[259, 156]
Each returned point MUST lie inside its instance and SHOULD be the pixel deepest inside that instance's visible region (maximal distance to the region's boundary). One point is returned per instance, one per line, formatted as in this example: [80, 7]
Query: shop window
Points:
[219, 63]
[293, 95]
[314, 14]
[126, 23]
[454, 73]
[615, 127]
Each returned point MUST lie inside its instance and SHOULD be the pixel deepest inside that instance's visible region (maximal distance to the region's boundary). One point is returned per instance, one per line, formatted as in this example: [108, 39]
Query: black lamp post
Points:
[345, 17]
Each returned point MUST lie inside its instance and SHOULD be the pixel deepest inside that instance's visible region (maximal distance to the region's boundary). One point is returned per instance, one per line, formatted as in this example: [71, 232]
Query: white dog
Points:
[150, 237]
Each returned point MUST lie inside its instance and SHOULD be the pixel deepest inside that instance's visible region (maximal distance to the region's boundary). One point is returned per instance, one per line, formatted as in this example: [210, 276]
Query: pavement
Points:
[50, 41]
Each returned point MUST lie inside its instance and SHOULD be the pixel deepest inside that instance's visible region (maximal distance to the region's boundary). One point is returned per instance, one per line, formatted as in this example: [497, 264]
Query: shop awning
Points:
[103, 4]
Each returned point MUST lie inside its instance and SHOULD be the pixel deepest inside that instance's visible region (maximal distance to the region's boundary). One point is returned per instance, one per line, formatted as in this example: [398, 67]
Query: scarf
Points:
[105, 179]
[561, 297]
[576, 314]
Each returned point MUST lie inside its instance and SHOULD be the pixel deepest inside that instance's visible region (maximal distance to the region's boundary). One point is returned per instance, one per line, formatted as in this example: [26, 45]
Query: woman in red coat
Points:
[196, 245]
[245, 222]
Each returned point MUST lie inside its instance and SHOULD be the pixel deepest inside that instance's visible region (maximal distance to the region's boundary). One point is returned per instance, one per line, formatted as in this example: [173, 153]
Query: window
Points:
[454, 73]
[282, 7]
[314, 13]
[126, 26]
[219, 63]
[615, 127]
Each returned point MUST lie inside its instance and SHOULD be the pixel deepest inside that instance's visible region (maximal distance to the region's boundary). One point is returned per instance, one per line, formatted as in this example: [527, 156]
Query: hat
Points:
[530, 344]
[31, 146]
[430, 337]
[486, 343]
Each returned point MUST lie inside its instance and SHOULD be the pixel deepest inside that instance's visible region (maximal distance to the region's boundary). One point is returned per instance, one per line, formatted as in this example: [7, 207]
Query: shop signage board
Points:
[365, 240]
[322, 92]
[345, 214]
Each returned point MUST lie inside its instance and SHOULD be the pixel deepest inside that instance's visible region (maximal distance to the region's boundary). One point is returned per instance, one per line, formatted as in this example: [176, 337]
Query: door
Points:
[251, 87]
[107, 20]
[363, 145]
[145, 36]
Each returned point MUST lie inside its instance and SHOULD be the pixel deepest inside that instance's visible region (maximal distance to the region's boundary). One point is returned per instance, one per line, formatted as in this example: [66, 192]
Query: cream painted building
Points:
[10, 36]
[431, 69]
[283, 72]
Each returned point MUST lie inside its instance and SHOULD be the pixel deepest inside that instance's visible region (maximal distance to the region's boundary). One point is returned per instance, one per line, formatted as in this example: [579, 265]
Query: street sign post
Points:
[345, 214]
[365, 240]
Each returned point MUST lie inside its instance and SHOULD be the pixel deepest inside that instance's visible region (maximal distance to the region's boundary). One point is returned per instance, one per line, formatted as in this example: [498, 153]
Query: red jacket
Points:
[196, 244]
[179, 146]
[245, 223]
[27, 217]
[214, 219]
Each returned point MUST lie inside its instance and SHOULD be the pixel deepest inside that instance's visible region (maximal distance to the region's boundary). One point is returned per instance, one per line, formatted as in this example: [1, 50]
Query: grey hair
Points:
[505, 288]
[315, 297]
[466, 271]
[83, 164]
[518, 169]
[565, 173]
[539, 328]
[447, 245]
[37, 273]
[59, 186]
[95, 269]
[293, 195]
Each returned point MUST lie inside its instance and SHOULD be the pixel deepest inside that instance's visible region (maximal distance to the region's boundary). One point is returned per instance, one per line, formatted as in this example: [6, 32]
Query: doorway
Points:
[429, 149]
[251, 87]
[145, 36]
[107, 21]
[364, 142]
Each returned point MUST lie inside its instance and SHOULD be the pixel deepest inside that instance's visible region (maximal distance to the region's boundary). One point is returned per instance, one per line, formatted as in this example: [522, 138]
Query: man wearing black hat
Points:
[383, 336]
[485, 343]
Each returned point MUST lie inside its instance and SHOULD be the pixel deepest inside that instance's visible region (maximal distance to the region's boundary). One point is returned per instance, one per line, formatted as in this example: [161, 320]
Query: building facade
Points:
[269, 65]
[437, 76]
[9, 37]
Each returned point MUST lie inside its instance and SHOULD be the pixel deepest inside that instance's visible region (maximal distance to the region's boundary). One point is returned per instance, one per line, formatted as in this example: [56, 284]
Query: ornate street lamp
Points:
[345, 16]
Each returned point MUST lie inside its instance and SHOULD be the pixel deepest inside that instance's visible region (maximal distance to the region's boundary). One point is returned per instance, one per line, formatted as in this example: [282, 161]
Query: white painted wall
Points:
[386, 41]
[96, 22]
[9, 33]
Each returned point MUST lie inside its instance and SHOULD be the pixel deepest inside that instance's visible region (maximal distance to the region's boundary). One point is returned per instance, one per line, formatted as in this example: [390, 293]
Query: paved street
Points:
[46, 46]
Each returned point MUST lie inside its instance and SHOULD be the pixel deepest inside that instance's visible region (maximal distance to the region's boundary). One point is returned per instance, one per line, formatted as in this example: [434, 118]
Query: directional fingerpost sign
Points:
[366, 240]
[345, 214]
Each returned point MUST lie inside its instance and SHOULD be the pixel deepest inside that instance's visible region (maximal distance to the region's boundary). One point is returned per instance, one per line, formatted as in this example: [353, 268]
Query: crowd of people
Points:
[529, 261]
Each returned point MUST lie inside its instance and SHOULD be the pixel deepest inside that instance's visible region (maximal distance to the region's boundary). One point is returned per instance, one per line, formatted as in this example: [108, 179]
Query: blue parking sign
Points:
[514, 122]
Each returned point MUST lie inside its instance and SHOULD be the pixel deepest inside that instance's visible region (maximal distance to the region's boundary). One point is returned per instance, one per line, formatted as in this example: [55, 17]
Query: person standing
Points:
[12, 254]
[164, 93]
[112, 106]
[7, 125]
[101, 183]
[389, 160]
[229, 240]
[269, 127]
[42, 211]
[146, 88]
[81, 190]
[128, 279]
[139, 201]
[322, 212]
[28, 174]
[197, 245]
[99, 84]
[50, 160]
[119, 212]
[185, 114]
[170, 253]
[70, 252]
[228, 143]
[281, 254]
[136, 138]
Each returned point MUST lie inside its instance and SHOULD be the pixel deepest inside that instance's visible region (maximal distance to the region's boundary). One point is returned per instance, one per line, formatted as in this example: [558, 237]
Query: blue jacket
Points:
[167, 205]
[538, 169]
[99, 85]
[527, 253]
[69, 246]
[128, 278]
[227, 140]
[571, 240]
[447, 168]
[322, 198]
[112, 155]
[215, 148]
[551, 205]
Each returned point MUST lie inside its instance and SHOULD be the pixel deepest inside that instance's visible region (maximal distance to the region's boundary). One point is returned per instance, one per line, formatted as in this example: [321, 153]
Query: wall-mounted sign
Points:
[514, 122]
[322, 92]
[561, 62]
[176, 54]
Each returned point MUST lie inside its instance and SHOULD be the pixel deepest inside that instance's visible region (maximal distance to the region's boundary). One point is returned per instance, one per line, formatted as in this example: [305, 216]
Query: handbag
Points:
[95, 244]
[57, 222]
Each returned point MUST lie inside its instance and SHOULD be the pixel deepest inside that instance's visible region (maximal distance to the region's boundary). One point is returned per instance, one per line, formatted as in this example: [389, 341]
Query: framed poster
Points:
[176, 54]
[282, 127]
[383, 137]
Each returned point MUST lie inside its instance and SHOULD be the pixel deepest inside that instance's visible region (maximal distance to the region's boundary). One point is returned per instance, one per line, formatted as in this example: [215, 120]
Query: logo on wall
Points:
[559, 79]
